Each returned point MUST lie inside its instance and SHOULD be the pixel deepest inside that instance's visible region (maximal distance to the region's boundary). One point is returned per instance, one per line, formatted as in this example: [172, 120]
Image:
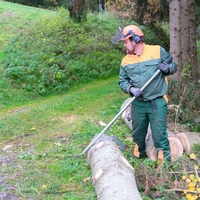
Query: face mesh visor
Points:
[119, 36]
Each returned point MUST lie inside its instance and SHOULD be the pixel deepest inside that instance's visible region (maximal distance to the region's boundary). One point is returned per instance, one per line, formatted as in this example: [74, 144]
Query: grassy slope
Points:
[46, 135]
[42, 136]
[14, 17]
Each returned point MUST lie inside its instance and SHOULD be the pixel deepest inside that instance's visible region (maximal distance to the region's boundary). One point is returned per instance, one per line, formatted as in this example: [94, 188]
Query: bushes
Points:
[185, 93]
[54, 53]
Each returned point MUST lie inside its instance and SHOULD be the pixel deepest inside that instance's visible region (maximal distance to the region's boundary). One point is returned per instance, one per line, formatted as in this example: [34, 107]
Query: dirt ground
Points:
[7, 161]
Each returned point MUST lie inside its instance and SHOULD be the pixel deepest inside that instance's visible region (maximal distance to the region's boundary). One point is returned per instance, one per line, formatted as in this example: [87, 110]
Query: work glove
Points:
[164, 68]
[136, 92]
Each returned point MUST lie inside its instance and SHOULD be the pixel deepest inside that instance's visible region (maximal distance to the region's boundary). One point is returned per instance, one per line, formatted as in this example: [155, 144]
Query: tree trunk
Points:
[175, 39]
[112, 175]
[183, 38]
[193, 45]
[77, 10]
[185, 32]
[101, 5]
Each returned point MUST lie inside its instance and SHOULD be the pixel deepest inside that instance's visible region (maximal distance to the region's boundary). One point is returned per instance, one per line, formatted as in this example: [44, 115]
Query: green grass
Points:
[45, 136]
[45, 57]
[13, 19]
[198, 50]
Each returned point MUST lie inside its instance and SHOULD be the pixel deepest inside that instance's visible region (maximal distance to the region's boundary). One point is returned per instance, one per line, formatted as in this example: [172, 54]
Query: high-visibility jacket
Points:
[135, 71]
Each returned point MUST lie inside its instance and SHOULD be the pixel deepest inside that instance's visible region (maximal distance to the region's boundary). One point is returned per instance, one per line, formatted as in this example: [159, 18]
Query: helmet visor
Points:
[120, 36]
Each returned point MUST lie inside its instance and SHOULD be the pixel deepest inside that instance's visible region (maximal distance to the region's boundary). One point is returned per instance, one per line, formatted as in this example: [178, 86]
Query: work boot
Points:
[141, 157]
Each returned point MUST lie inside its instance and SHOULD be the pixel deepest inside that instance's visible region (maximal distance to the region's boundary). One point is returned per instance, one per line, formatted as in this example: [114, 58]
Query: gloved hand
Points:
[136, 92]
[164, 68]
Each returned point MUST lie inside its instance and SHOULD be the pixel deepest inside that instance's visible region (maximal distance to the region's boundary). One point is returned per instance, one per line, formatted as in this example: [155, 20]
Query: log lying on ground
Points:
[179, 142]
[112, 175]
[176, 147]
[126, 115]
[183, 139]
[193, 137]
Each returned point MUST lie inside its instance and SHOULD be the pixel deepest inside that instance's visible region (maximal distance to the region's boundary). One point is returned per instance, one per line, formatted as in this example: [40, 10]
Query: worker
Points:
[139, 64]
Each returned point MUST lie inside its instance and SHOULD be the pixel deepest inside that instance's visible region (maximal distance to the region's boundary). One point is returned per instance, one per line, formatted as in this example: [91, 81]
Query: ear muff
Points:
[135, 37]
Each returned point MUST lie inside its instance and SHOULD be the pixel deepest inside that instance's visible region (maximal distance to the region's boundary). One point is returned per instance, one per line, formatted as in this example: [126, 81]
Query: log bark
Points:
[126, 115]
[112, 175]
[193, 137]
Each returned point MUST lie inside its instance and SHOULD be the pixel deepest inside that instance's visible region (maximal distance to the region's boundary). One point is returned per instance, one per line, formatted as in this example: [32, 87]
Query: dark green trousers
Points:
[143, 113]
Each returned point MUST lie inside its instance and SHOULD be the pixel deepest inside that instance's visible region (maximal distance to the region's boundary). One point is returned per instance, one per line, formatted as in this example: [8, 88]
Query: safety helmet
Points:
[129, 31]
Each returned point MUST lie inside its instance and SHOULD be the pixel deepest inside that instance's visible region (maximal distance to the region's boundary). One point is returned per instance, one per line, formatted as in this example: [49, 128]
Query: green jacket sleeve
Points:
[165, 56]
[124, 81]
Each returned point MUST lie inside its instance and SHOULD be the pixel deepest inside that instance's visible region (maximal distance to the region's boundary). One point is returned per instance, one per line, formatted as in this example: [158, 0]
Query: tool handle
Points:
[169, 59]
[125, 107]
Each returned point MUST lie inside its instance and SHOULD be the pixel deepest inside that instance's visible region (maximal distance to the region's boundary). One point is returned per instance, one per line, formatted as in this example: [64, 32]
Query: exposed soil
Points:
[7, 190]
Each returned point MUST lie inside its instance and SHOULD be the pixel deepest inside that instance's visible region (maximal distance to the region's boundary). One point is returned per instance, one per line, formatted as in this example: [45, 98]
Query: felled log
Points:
[112, 175]
[126, 115]
[193, 137]
[179, 142]
[183, 139]
[176, 147]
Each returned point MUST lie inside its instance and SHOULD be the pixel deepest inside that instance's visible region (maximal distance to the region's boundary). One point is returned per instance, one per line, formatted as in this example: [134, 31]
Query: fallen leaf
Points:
[86, 179]
[101, 123]
[6, 147]
[44, 187]
[58, 144]
[192, 156]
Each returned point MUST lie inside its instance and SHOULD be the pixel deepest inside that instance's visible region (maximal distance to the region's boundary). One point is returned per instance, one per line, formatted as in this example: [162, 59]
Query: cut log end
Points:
[176, 148]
